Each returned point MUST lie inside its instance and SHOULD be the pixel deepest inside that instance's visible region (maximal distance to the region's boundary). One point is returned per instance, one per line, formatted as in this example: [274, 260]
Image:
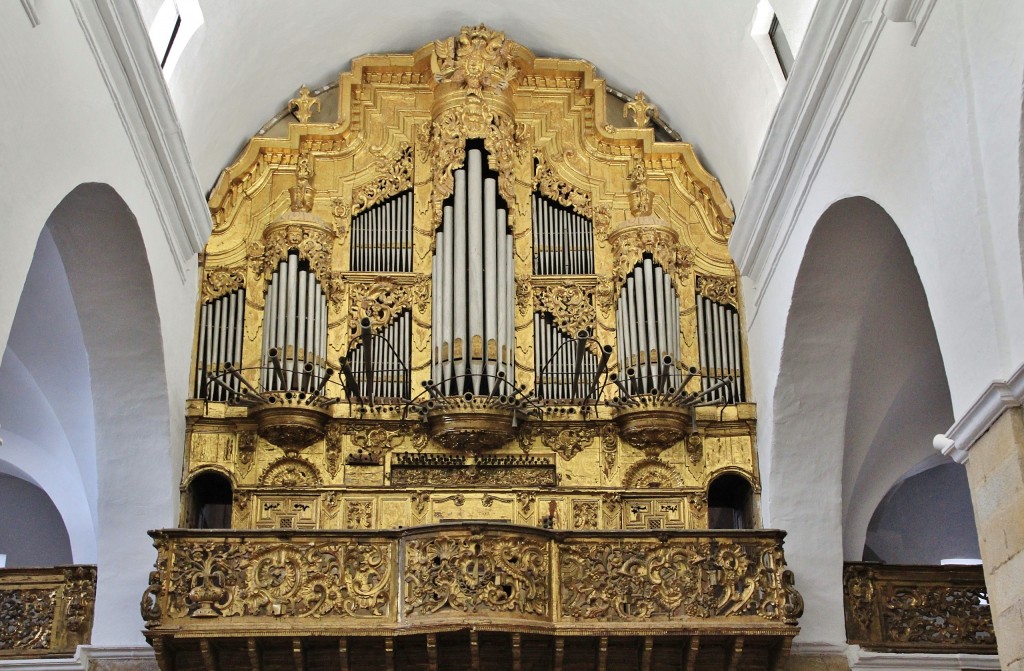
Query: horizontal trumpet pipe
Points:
[238, 376]
[275, 361]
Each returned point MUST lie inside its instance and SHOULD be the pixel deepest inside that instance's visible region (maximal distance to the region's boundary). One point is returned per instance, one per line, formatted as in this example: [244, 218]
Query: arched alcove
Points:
[32, 532]
[730, 502]
[209, 504]
[926, 517]
[107, 267]
[861, 389]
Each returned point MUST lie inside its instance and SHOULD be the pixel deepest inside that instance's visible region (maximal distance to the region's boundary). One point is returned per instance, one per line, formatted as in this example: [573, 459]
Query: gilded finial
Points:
[303, 105]
[643, 111]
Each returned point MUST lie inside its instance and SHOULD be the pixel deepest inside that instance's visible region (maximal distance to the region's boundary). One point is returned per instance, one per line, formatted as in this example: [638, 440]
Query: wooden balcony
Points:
[470, 596]
[937, 609]
[46, 612]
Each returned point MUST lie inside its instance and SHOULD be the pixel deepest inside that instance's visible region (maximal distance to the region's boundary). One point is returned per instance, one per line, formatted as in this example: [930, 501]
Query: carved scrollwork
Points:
[332, 447]
[566, 442]
[30, 613]
[477, 574]
[719, 289]
[478, 59]
[652, 473]
[220, 281]
[312, 242]
[383, 299]
[569, 304]
[377, 441]
[638, 581]
[585, 514]
[290, 472]
[395, 177]
[221, 579]
[609, 449]
[247, 441]
[525, 476]
[549, 185]
[649, 234]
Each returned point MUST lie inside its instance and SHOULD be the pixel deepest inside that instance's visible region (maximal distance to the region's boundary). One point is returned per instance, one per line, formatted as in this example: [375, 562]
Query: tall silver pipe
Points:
[475, 221]
[448, 300]
[702, 344]
[300, 327]
[460, 346]
[201, 356]
[490, 278]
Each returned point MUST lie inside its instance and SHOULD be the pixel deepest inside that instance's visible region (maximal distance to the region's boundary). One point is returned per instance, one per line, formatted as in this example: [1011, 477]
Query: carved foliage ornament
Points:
[650, 234]
[566, 441]
[312, 243]
[719, 289]
[641, 581]
[569, 304]
[396, 177]
[550, 186]
[478, 59]
[220, 281]
[384, 298]
[477, 574]
[222, 579]
[445, 141]
[290, 472]
[28, 616]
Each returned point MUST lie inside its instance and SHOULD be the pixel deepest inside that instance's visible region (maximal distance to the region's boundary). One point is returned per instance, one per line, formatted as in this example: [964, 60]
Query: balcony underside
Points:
[458, 648]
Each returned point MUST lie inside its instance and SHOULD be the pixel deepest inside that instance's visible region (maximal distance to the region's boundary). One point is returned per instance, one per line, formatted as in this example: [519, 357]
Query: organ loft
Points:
[469, 389]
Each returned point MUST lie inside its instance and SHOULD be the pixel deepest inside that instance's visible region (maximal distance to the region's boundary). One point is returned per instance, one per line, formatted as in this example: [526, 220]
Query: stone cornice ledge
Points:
[999, 397]
[839, 42]
[897, 661]
[87, 658]
[120, 43]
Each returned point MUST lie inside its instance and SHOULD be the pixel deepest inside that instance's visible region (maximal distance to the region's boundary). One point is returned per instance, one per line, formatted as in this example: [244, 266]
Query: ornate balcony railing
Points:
[46, 612]
[894, 608]
[258, 587]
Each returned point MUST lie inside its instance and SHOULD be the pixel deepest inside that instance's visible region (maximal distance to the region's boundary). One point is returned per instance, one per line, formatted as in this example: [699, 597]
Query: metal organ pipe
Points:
[219, 346]
[473, 325]
[647, 325]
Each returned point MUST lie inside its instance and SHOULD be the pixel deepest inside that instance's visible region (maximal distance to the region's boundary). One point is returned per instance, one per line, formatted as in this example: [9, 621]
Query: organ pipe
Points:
[474, 327]
[721, 351]
[647, 328]
[382, 236]
[221, 323]
[563, 240]
[294, 328]
[377, 367]
[566, 368]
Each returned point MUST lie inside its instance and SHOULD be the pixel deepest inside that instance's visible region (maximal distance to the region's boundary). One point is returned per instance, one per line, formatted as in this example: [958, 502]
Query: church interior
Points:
[535, 336]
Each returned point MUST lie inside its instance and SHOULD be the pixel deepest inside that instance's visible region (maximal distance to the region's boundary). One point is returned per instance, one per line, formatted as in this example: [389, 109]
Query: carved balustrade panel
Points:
[918, 608]
[442, 574]
[46, 611]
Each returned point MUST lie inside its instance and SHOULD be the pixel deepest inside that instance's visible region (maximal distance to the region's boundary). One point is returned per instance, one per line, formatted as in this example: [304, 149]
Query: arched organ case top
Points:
[221, 324]
[472, 330]
[382, 236]
[563, 241]
[647, 328]
[294, 328]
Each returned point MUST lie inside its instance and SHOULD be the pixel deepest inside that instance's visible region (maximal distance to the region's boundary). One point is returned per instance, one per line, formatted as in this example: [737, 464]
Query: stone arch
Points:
[108, 272]
[861, 388]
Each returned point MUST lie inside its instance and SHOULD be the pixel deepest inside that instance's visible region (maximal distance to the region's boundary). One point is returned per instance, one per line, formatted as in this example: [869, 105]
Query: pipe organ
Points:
[382, 236]
[647, 324]
[469, 304]
[472, 324]
[721, 351]
[294, 328]
[563, 240]
[219, 346]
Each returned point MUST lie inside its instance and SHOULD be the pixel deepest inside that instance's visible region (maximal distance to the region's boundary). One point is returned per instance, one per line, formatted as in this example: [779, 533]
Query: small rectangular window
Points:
[170, 42]
[782, 51]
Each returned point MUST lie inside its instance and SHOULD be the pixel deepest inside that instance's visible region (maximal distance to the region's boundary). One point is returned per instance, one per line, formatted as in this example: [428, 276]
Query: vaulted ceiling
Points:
[696, 60]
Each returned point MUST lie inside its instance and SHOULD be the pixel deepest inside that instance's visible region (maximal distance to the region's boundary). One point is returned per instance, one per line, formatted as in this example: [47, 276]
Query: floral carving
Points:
[332, 447]
[584, 514]
[247, 441]
[312, 242]
[525, 476]
[221, 579]
[479, 573]
[569, 304]
[609, 449]
[384, 299]
[220, 281]
[918, 608]
[550, 186]
[650, 234]
[639, 581]
[28, 616]
[395, 177]
[359, 514]
[290, 472]
[652, 473]
[640, 200]
[719, 289]
[478, 59]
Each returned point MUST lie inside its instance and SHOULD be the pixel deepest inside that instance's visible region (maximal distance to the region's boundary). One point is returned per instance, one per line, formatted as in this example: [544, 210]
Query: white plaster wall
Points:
[65, 131]
[695, 59]
[932, 134]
